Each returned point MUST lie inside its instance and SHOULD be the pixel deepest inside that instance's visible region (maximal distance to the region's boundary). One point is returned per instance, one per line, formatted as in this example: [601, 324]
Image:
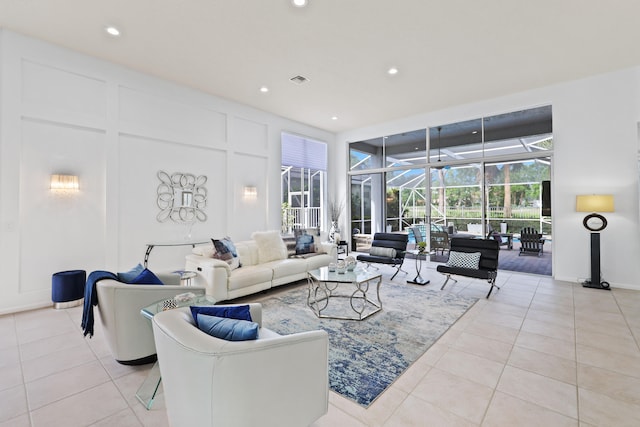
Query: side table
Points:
[186, 277]
[343, 248]
[147, 391]
[420, 256]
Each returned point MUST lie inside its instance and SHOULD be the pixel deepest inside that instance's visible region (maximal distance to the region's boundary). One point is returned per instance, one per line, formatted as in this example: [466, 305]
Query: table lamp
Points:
[595, 223]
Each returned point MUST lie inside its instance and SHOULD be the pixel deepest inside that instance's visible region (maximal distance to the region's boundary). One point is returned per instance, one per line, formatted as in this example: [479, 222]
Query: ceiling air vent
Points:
[299, 80]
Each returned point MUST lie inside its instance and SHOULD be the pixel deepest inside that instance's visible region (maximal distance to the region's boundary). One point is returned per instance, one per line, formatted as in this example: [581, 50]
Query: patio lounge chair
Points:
[487, 264]
[387, 248]
[531, 242]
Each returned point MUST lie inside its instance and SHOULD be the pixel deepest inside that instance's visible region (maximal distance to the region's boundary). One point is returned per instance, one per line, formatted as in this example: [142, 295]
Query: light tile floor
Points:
[538, 352]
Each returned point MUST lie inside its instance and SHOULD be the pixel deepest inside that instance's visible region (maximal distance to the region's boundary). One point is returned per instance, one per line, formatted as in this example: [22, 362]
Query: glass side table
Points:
[147, 391]
[186, 277]
[420, 256]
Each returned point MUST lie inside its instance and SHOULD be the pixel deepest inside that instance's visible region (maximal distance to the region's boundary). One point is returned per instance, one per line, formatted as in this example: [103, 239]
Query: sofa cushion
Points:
[226, 251]
[146, 277]
[228, 329]
[287, 267]
[240, 312]
[469, 260]
[249, 276]
[270, 246]
[206, 251]
[317, 261]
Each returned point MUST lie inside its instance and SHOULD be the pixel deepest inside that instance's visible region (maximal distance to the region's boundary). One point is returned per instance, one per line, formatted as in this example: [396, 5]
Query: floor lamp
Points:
[595, 223]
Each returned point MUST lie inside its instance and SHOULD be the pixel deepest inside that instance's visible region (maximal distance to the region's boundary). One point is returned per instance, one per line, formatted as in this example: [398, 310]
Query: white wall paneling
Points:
[249, 214]
[249, 136]
[115, 128]
[139, 162]
[60, 231]
[170, 119]
[63, 96]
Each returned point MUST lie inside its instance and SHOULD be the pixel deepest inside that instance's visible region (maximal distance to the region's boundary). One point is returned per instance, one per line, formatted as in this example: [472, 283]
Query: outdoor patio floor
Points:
[512, 260]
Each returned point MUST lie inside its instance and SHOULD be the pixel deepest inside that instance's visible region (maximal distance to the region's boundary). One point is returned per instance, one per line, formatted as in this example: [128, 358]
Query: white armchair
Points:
[276, 380]
[129, 335]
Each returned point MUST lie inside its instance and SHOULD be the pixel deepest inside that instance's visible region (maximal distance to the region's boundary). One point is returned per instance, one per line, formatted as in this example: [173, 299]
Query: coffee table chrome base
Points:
[321, 292]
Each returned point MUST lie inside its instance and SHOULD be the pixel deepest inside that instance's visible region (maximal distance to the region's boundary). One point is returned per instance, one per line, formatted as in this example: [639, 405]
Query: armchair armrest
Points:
[274, 380]
[329, 248]
[211, 273]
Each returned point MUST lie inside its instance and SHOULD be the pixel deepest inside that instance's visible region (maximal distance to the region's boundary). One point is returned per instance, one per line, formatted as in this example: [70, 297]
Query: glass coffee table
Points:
[355, 286]
[147, 391]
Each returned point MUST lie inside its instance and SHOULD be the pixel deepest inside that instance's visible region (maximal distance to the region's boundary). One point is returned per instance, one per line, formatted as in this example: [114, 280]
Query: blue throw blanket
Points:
[91, 298]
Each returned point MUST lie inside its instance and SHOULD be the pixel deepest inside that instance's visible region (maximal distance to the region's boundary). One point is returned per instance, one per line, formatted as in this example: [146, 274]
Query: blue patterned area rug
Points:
[366, 357]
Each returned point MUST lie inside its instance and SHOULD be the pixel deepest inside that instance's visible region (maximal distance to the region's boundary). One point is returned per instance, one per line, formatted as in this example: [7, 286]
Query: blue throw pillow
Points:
[129, 276]
[228, 329]
[226, 251]
[239, 312]
[146, 278]
[304, 242]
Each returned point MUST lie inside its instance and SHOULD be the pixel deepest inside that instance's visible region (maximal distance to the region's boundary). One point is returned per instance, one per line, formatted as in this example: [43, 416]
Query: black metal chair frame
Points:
[397, 241]
[488, 267]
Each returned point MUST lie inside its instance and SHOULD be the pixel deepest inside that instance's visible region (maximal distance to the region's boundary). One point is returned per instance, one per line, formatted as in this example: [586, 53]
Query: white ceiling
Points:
[448, 52]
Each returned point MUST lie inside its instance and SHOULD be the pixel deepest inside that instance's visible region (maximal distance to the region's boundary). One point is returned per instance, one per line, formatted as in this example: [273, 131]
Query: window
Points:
[303, 182]
[485, 172]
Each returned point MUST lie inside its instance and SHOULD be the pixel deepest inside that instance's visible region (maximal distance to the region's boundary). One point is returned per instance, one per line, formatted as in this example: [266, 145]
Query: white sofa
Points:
[129, 335]
[254, 275]
[276, 380]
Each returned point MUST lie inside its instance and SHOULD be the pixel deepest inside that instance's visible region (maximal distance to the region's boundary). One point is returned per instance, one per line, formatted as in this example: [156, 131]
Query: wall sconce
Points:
[250, 192]
[64, 183]
[595, 223]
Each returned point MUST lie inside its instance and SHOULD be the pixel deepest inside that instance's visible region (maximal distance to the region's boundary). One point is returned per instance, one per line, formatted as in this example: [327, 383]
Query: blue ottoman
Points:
[67, 288]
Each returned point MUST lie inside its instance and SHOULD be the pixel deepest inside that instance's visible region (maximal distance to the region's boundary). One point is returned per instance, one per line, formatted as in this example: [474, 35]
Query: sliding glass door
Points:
[515, 193]
[456, 197]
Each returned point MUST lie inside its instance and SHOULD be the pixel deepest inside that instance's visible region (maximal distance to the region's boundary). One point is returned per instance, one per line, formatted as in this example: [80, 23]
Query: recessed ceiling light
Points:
[334, 118]
[392, 71]
[299, 3]
[474, 132]
[264, 89]
[112, 31]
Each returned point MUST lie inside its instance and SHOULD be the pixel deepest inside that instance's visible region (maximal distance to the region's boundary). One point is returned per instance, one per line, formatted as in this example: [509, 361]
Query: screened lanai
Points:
[470, 177]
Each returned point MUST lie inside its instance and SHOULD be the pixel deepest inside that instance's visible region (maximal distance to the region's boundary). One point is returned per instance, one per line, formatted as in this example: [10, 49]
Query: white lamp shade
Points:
[594, 203]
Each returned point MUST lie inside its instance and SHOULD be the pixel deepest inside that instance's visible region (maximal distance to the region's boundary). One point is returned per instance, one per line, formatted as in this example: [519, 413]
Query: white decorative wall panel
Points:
[249, 214]
[166, 119]
[62, 111]
[49, 92]
[140, 159]
[60, 231]
[248, 136]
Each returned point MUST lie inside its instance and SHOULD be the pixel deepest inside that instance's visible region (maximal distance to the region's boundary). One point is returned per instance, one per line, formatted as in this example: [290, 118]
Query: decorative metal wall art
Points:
[182, 197]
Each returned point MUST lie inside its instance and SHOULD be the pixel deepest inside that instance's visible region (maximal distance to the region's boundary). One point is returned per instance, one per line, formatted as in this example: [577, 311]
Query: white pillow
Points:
[385, 252]
[203, 250]
[271, 247]
[464, 260]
